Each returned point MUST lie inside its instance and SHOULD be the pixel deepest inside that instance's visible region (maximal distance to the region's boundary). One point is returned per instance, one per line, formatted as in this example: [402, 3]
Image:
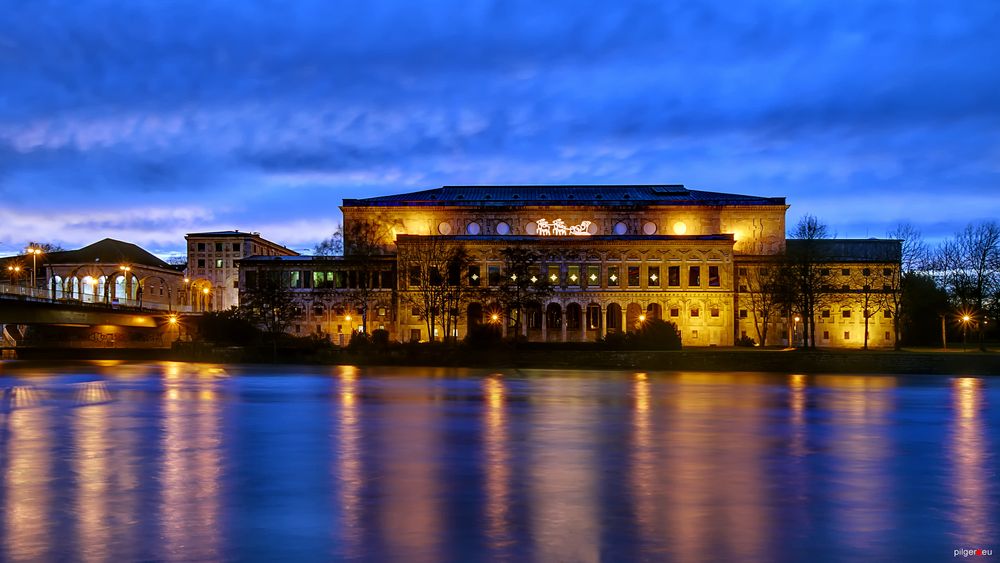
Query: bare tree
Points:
[809, 280]
[268, 300]
[364, 242]
[868, 295]
[915, 252]
[45, 247]
[766, 290]
[520, 284]
[970, 265]
[331, 246]
[425, 264]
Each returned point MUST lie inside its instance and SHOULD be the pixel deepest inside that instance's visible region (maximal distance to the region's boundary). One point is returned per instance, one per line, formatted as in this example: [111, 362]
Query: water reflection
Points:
[972, 464]
[190, 472]
[195, 462]
[497, 466]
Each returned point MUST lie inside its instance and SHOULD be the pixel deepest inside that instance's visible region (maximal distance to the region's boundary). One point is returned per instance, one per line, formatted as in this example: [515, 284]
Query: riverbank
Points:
[578, 357]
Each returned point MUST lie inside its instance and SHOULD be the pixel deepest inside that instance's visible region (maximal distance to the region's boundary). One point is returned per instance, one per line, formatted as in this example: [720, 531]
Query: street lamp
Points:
[12, 273]
[34, 252]
[965, 329]
[795, 328]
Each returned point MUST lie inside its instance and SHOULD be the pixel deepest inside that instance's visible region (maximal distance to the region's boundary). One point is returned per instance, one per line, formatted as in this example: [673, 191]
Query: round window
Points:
[680, 228]
[621, 228]
[472, 228]
[649, 228]
[503, 228]
[531, 228]
[444, 228]
[592, 229]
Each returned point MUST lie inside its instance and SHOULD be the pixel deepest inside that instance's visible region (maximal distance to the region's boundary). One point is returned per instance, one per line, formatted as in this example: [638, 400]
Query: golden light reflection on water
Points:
[351, 479]
[564, 473]
[191, 468]
[861, 452]
[497, 470]
[971, 468]
[644, 478]
[27, 480]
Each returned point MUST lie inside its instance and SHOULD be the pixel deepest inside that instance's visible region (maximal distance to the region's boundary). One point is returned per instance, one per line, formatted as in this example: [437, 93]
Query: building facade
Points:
[212, 278]
[611, 257]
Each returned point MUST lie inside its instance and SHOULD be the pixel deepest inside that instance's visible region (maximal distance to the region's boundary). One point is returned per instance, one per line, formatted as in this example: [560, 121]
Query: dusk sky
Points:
[146, 120]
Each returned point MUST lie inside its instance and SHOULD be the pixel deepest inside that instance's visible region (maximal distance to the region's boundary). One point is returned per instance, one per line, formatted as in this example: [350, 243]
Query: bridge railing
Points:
[24, 293]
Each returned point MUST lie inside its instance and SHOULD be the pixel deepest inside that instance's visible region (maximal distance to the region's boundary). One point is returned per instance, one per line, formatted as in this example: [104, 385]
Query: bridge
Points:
[22, 307]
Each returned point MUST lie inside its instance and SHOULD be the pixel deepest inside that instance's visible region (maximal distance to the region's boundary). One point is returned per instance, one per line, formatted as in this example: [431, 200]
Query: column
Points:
[602, 323]
[624, 316]
[563, 323]
[583, 323]
[522, 317]
[545, 323]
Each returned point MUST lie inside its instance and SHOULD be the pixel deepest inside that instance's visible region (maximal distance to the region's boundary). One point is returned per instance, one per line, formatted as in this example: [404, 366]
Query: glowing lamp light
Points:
[347, 318]
[966, 318]
[172, 319]
[494, 317]
[642, 318]
[205, 291]
[680, 228]
[797, 319]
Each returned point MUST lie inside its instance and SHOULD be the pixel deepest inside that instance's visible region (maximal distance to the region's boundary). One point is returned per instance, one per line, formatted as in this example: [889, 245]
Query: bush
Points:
[656, 334]
[359, 341]
[615, 340]
[225, 328]
[483, 336]
[746, 341]
[380, 338]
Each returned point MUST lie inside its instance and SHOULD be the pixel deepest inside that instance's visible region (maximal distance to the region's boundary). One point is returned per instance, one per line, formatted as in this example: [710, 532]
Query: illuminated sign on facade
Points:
[558, 228]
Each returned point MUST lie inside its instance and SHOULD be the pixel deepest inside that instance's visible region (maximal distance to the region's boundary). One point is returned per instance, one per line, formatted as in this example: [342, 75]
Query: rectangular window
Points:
[633, 276]
[474, 276]
[250, 278]
[573, 275]
[694, 334]
[614, 278]
[695, 312]
[824, 271]
[675, 312]
[201, 262]
[825, 314]
[493, 275]
[743, 313]
[694, 276]
[887, 314]
[201, 247]
[434, 276]
[218, 247]
[866, 272]
[295, 279]
[414, 276]
[846, 313]
[674, 276]
[654, 276]
[826, 335]
[594, 275]
[553, 274]
[887, 272]
[888, 336]
[743, 289]
[743, 271]
[713, 276]
[218, 262]
[847, 335]
[714, 311]
[845, 272]
[342, 279]
[236, 247]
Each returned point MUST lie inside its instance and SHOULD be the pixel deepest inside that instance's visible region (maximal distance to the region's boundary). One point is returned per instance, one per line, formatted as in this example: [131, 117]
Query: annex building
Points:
[612, 257]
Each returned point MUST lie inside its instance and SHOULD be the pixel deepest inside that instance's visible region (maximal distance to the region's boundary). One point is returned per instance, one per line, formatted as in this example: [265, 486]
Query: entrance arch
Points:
[632, 314]
[654, 311]
[614, 317]
[474, 316]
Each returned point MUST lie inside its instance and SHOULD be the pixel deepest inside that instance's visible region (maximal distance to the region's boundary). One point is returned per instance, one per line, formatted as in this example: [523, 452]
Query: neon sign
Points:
[559, 228]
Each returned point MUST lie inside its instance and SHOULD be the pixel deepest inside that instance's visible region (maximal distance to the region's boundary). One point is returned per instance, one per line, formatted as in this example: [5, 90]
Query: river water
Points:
[173, 461]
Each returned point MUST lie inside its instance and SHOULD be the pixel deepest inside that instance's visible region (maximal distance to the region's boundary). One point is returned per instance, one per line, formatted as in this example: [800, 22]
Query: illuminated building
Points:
[614, 255]
[212, 265]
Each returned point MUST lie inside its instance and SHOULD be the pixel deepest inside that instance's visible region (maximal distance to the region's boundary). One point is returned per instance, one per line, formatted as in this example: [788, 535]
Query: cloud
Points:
[263, 115]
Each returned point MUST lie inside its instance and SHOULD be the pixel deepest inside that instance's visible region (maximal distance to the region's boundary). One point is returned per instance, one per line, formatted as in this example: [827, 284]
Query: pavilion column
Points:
[583, 324]
[563, 323]
[602, 325]
[503, 326]
[624, 317]
[523, 321]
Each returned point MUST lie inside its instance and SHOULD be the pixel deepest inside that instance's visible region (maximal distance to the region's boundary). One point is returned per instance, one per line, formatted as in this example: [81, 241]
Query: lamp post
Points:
[965, 330]
[128, 282]
[12, 273]
[34, 252]
[795, 328]
[204, 304]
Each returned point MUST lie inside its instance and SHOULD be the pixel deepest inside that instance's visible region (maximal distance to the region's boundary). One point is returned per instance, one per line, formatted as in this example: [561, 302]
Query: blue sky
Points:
[146, 120]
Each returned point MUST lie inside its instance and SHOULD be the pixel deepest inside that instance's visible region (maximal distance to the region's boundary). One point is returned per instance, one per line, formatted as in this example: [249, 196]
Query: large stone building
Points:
[613, 256]
[212, 271]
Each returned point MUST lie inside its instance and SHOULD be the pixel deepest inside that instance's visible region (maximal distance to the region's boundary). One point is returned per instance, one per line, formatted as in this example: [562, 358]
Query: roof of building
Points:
[512, 239]
[576, 195]
[317, 259]
[107, 251]
[850, 250]
[238, 234]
